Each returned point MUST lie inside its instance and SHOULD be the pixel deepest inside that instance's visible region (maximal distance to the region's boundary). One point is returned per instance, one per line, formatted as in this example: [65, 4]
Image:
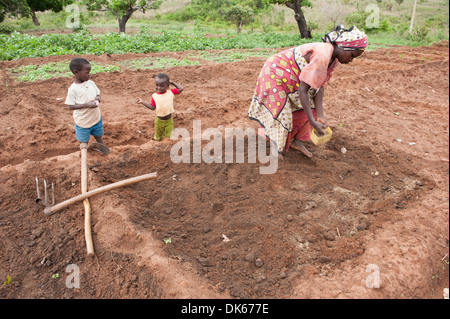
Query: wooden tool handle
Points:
[87, 228]
[87, 205]
[51, 210]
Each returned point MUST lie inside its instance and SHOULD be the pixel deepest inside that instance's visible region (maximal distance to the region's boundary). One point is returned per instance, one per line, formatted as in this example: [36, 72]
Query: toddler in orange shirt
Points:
[162, 102]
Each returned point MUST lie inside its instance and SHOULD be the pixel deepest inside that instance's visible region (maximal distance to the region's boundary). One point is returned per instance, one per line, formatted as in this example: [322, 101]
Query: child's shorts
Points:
[84, 134]
[163, 127]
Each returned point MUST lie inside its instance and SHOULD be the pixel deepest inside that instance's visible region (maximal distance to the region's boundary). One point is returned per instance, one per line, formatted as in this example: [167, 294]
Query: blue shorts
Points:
[84, 134]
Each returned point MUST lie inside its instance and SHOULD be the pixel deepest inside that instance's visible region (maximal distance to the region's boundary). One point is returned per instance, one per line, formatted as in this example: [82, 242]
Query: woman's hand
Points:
[319, 126]
[139, 100]
[323, 120]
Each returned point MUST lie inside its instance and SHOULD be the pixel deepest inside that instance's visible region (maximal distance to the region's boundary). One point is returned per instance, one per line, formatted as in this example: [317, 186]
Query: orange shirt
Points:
[164, 102]
[317, 73]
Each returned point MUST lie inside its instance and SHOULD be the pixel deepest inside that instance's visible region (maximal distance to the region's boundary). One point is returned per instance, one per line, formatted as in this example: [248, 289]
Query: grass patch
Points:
[155, 63]
[33, 72]
[231, 56]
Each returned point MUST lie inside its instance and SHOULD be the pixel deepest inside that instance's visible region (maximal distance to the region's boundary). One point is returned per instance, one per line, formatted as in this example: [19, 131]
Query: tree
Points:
[413, 17]
[239, 15]
[297, 6]
[43, 5]
[123, 9]
[13, 8]
[335, 12]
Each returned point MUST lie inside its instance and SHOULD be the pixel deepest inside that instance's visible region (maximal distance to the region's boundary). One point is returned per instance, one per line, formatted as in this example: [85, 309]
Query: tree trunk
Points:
[240, 27]
[124, 19]
[35, 19]
[305, 32]
[413, 17]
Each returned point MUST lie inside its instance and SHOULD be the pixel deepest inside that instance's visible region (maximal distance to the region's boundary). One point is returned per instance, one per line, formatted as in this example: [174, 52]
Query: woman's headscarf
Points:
[350, 40]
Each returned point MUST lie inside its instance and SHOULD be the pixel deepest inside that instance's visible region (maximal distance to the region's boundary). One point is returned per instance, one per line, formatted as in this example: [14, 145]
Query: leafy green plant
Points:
[8, 280]
[420, 34]
[6, 29]
[33, 72]
[156, 63]
[17, 46]
[231, 56]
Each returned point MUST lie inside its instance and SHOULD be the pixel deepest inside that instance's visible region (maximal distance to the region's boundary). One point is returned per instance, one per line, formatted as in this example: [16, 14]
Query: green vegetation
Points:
[44, 5]
[239, 15]
[179, 25]
[298, 6]
[17, 46]
[156, 63]
[231, 56]
[122, 9]
[28, 8]
[32, 72]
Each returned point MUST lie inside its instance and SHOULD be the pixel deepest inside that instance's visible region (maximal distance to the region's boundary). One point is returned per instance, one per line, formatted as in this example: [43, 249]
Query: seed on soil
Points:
[36, 232]
[206, 262]
[324, 259]
[311, 238]
[206, 229]
[250, 257]
[361, 227]
[329, 236]
[259, 262]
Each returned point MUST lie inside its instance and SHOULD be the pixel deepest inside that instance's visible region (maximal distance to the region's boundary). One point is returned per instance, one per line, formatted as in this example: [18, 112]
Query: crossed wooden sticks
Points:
[52, 208]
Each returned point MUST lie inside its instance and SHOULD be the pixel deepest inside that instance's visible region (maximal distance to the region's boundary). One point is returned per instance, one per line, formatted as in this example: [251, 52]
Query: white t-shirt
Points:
[80, 93]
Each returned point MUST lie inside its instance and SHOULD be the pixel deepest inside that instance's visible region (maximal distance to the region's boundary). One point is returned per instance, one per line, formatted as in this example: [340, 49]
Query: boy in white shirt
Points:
[84, 98]
[162, 101]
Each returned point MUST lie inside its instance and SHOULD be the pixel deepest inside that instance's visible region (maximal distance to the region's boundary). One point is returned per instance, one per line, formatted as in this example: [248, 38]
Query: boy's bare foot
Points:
[297, 145]
[99, 147]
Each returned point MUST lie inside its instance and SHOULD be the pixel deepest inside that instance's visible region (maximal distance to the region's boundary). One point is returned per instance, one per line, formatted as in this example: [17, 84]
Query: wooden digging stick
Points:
[53, 209]
[87, 206]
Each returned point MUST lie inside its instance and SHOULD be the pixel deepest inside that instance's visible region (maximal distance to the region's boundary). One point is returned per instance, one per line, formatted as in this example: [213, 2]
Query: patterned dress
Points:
[276, 96]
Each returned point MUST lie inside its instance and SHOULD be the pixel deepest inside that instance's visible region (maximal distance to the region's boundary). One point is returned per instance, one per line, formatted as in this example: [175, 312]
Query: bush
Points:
[6, 29]
[359, 19]
[420, 35]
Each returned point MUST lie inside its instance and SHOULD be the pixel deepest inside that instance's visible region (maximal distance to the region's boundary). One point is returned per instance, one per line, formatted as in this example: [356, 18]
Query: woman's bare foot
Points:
[297, 145]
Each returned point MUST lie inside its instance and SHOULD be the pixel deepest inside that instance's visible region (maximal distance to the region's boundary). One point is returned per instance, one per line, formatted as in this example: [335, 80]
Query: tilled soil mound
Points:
[366, 217]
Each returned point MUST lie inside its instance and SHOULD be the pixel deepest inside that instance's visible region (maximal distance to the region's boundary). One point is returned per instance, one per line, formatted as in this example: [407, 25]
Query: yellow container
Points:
[316, 139]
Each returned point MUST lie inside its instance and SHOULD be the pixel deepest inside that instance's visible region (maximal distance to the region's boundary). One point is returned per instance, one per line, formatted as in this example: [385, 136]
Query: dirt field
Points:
[318, 228]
